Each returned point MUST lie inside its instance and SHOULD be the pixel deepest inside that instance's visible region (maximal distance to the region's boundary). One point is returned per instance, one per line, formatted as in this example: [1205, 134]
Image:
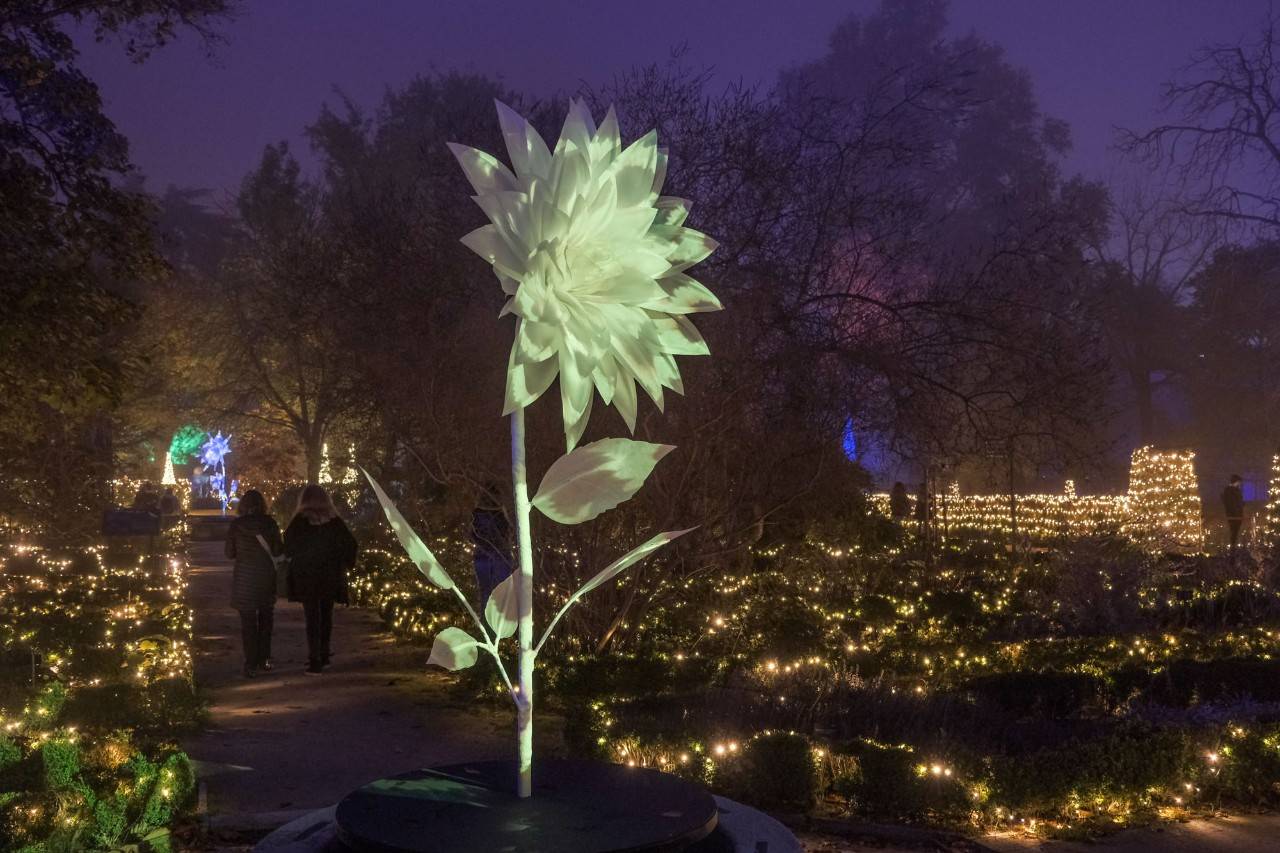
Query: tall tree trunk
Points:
[314, 450]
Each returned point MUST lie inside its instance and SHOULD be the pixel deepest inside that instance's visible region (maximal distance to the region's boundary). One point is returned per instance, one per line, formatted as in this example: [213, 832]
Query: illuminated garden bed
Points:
[1093, 687]
[96, 646]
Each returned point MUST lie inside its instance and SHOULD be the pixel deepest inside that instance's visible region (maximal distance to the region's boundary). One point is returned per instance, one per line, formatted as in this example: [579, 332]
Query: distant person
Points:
[1233, 503]
[321, 550]
[899, 502]
[253, 541]
[169, 503]
[147, 499]
[490, 534]
[199, 482]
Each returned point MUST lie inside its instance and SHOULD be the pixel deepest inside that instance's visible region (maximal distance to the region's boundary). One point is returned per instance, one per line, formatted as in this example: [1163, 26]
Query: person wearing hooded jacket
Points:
[321, 550]
[254, 543]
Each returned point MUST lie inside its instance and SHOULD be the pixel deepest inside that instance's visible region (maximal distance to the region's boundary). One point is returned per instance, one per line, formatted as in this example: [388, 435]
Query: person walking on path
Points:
[253, 542]
[490, 534]
[1233, 503]
[321, 550]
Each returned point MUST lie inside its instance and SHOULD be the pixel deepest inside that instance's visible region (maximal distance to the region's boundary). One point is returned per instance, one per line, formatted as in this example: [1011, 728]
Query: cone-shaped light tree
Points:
[593, 260]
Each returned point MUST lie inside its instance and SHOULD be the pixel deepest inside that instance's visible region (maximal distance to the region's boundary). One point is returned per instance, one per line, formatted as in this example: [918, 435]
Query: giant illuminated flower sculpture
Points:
[593, 259]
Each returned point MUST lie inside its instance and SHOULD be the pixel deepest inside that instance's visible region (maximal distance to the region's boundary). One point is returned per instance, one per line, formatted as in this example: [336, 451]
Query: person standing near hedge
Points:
[321, 550]
[253, 542]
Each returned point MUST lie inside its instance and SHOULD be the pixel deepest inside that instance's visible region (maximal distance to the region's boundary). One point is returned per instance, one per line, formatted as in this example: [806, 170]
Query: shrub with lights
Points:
[1086, 658]
[95, 648]
[1161, 509]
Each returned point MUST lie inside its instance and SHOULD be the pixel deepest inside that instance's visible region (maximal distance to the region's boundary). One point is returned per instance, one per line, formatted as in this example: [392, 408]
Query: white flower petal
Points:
[605, 377]
[508, 212]
[529, 154]
[535, 342]
[526, 382]
[639, 360]
[687, 247]
[683, 295]
[660, 172]
[573, 432]
[629, 287]
[486, 242]
[624, 399]
[569, 176]
[629, 226]
[486, 173]
[576, 387]
[678, 336]
[672, 211]
[608, 139]
[634, 171]
[578, 128]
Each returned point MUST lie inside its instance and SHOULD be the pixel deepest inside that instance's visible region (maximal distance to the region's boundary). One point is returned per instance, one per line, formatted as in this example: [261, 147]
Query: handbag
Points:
[281, 565]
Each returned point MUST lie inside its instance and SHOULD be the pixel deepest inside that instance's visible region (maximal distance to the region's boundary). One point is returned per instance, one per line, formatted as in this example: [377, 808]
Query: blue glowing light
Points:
[213, 453]
[850, 441]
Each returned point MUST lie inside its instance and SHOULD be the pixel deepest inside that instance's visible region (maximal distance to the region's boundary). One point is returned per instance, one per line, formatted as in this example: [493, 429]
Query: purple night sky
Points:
[196, 121]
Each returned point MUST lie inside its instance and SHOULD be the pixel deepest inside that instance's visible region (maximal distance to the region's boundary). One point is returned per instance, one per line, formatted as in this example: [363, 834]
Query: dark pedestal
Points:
[576, 806]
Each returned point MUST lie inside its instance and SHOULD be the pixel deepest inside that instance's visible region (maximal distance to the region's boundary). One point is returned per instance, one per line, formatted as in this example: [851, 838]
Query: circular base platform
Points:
[739, 829]
[576, 805]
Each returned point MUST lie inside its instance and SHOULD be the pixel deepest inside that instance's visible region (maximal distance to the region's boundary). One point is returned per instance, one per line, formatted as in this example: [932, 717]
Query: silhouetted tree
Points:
[1235, 386]
[73, 240]
[1150, 255]
[1224, 129]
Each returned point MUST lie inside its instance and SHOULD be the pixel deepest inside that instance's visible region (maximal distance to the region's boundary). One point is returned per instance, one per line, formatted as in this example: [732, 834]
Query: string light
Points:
[1269, 531]
[90, 619]
[1161, 509]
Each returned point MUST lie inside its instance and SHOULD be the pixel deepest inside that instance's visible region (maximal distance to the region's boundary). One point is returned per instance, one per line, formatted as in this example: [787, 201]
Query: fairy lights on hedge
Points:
[92, 618]
[921, 634]
[906, 632]
[1164, 501]
[1269, 524]
[1161, 509]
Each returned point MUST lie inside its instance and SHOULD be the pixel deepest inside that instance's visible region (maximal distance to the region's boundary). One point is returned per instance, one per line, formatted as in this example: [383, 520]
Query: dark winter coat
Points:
[490, 533]
[320, 556]
[253, 580]
[1233, 501]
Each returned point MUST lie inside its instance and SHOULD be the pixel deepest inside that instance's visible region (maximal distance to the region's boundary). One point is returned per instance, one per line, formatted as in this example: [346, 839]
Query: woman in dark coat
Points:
[321, 550]
[253, 541]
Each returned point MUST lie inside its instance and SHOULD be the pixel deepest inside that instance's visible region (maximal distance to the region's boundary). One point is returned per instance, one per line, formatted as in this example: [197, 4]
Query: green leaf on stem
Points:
[502, 609]
[417, 550]
[629, 559]
[596, 477]
[454, 649]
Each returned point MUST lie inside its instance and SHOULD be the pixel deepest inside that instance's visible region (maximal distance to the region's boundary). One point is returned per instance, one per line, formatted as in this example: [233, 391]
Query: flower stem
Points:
[524, 605]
